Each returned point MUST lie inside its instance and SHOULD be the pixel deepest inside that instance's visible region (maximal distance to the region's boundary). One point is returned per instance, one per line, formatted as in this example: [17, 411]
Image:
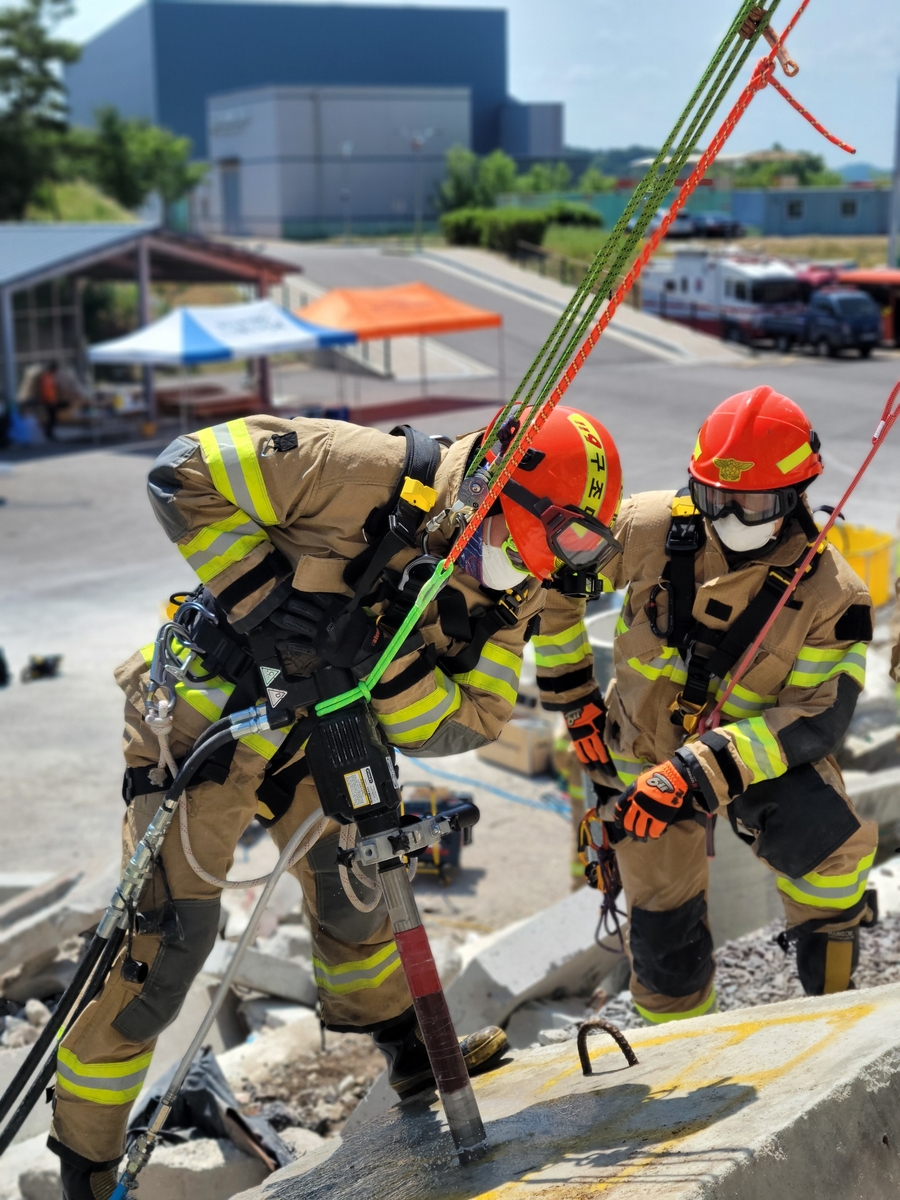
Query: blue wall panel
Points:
[117, 68]
[208, 48]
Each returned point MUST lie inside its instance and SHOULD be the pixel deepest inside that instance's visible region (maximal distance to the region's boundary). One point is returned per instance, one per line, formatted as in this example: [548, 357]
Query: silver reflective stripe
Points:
[827, 893]
[429, 717]
[223, 543]
[232, 463]
[106, 1083]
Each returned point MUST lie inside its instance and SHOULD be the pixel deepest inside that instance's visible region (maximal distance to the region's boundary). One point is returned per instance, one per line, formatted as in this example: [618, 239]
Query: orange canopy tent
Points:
[406, 310]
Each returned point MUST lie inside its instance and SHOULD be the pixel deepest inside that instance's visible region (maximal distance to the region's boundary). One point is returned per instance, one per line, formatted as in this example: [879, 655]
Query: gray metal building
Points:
[303, 162]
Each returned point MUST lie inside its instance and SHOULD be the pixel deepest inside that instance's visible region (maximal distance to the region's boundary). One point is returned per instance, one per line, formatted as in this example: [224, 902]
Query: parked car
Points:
[717, 225]
[843, 319]
[682, 226]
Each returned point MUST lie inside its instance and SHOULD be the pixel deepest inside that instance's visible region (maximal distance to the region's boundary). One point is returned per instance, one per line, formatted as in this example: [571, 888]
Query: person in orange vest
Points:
[48, 396]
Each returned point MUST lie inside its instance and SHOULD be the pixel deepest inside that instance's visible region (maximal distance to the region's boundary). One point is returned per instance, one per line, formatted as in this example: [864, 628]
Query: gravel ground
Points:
[319, 1090]
[755, 970]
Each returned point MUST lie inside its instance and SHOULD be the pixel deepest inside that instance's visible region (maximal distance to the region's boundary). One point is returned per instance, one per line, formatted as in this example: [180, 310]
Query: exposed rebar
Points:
[617, 1036]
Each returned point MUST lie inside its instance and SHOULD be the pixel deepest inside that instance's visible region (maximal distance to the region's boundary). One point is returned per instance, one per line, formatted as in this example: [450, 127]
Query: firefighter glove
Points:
[659, 796]
[586, 724]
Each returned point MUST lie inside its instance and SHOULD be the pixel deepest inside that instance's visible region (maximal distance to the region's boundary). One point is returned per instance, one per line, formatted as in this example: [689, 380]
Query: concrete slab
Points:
[798, 1099]
[876, 796]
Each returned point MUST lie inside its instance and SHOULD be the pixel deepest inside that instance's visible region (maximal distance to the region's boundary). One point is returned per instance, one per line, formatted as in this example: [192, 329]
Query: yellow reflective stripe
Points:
[221, 544]
[627, 769]
[794, 460]
[266, 743]
[621, 627]
[234, 469]
[102, 1083]
[668, 664]
[757, 748]
[829, 891]
[566, 648]
[814, 667]
[497, 671]
[743, 702]
[213, 456]
[253, 476]
[662, 1018]
[418, 721]
[362, 975]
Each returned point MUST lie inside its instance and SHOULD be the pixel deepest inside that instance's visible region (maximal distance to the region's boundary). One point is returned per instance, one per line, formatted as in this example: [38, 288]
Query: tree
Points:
[545, 177]
[132, 158]
[475, 182]
[496, 175]
[594, 181]
[33, 107]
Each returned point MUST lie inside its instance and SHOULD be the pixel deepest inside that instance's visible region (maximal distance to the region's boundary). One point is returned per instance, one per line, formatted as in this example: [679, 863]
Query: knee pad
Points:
[672, 951]
[335, 913]
[825, 961]
[177, 963]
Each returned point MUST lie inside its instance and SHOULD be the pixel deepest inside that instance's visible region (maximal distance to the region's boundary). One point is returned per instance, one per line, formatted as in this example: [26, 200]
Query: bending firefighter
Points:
[310, 539]
[703, 570]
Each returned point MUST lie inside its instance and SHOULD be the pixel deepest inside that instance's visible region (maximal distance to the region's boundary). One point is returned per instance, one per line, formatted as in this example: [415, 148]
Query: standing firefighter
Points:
[309, 541]
[703, 570]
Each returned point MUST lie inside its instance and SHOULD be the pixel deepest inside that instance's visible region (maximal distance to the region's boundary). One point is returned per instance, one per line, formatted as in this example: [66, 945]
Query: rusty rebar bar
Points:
[616, 1034]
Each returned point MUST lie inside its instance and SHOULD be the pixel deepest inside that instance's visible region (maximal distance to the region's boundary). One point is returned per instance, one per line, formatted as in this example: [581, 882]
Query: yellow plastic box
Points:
[870, 553]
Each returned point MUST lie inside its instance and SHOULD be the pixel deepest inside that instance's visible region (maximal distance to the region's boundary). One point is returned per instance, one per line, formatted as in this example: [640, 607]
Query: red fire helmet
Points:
[572, 464]
[756, 441]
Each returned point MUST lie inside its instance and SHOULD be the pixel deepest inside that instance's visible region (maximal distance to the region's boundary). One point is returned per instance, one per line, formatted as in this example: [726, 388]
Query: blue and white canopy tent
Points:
[188, 336]
[217, 334]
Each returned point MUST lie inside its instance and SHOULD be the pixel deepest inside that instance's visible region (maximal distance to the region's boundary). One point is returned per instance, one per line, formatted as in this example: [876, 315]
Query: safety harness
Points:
[710, 653]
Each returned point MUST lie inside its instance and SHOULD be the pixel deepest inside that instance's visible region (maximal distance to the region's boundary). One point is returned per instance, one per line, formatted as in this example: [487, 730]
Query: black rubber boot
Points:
[825, 961]
[409, 1070]
[81, 1178]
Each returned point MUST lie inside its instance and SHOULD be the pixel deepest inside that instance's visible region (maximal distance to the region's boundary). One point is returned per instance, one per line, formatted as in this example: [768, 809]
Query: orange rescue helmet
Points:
[572, 464]
[756, 441]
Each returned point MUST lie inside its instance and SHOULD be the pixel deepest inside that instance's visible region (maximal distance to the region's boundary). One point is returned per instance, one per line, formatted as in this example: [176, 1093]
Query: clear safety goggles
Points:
[750, 508]
[577, 539]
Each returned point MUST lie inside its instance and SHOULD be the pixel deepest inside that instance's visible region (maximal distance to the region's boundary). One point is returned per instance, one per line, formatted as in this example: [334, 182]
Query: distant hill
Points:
[861, 172]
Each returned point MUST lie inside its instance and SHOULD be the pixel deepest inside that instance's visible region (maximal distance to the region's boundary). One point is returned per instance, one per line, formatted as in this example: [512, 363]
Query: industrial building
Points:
[167, 59]
[302, 162]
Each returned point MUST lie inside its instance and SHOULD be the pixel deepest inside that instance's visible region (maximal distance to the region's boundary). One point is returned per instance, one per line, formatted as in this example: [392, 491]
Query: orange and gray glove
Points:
[586, 724]
[658, 797]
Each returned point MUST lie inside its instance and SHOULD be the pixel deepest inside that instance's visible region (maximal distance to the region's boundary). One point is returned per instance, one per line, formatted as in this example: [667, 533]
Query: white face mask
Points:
[497, 571]
[740, 537]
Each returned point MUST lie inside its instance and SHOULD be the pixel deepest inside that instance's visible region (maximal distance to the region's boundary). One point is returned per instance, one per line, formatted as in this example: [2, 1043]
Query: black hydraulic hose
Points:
[50, 1030]
[211, 731]
[195, 761]
[109, 950]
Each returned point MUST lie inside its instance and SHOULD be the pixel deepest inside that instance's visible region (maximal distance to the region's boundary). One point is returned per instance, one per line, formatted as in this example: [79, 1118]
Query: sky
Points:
[624, 68]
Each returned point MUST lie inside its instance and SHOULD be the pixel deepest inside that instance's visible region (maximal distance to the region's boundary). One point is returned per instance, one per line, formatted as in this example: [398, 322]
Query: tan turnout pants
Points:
[666, 883]
[105, 1056]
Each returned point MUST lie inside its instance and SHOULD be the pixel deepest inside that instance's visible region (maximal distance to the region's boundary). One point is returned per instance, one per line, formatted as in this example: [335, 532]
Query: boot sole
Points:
[482, 1057]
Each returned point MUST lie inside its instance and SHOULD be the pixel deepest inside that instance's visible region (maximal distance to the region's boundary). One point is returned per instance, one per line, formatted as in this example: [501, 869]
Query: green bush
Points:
[564, 212]
[463, 226]
[504, 228]
[495, 228]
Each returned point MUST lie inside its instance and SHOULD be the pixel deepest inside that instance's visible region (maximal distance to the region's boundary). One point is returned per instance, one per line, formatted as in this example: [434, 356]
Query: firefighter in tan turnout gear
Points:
[310, 535]
[703, 570]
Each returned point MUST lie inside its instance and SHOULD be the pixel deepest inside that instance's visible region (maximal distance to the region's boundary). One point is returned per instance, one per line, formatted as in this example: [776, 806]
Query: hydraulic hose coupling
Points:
[249, 720]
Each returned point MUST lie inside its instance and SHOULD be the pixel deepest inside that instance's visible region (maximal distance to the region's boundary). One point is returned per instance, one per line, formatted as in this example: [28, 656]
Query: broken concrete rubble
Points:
[551, 952]
[204, 1169]
[871, 751]
[875, 796]
[288, 978]
[805, 1102]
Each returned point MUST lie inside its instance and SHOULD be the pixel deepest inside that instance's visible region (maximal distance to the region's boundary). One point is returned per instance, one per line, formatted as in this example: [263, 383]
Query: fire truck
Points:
[740, 297]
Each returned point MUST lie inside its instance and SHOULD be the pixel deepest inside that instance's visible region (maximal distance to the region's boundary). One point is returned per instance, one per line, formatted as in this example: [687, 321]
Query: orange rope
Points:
[762, 76]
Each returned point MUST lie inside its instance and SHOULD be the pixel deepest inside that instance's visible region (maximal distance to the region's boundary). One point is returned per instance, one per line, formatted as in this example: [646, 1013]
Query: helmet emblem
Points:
[731, 470]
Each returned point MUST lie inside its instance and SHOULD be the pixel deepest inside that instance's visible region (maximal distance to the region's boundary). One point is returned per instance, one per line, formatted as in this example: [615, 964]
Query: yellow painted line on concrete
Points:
[837, 1022]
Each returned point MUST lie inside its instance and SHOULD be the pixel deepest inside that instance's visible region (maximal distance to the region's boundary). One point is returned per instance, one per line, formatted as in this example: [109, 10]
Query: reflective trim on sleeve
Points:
[359, 976]
[628, 769]
[621, 627]
[267, 743]
[221, 544]
[708, 1005]
[566, 648]
[235, 471]
[102, 1083]
[829, 891]
[743, 702]
[814, 667]
[497, 671]
[418, 721]
[757, 748]
[668, 664]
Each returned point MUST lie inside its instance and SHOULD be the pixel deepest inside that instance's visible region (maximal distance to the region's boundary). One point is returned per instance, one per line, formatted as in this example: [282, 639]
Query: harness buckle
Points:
[651, 608]
[508, 606]
[685, 713]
